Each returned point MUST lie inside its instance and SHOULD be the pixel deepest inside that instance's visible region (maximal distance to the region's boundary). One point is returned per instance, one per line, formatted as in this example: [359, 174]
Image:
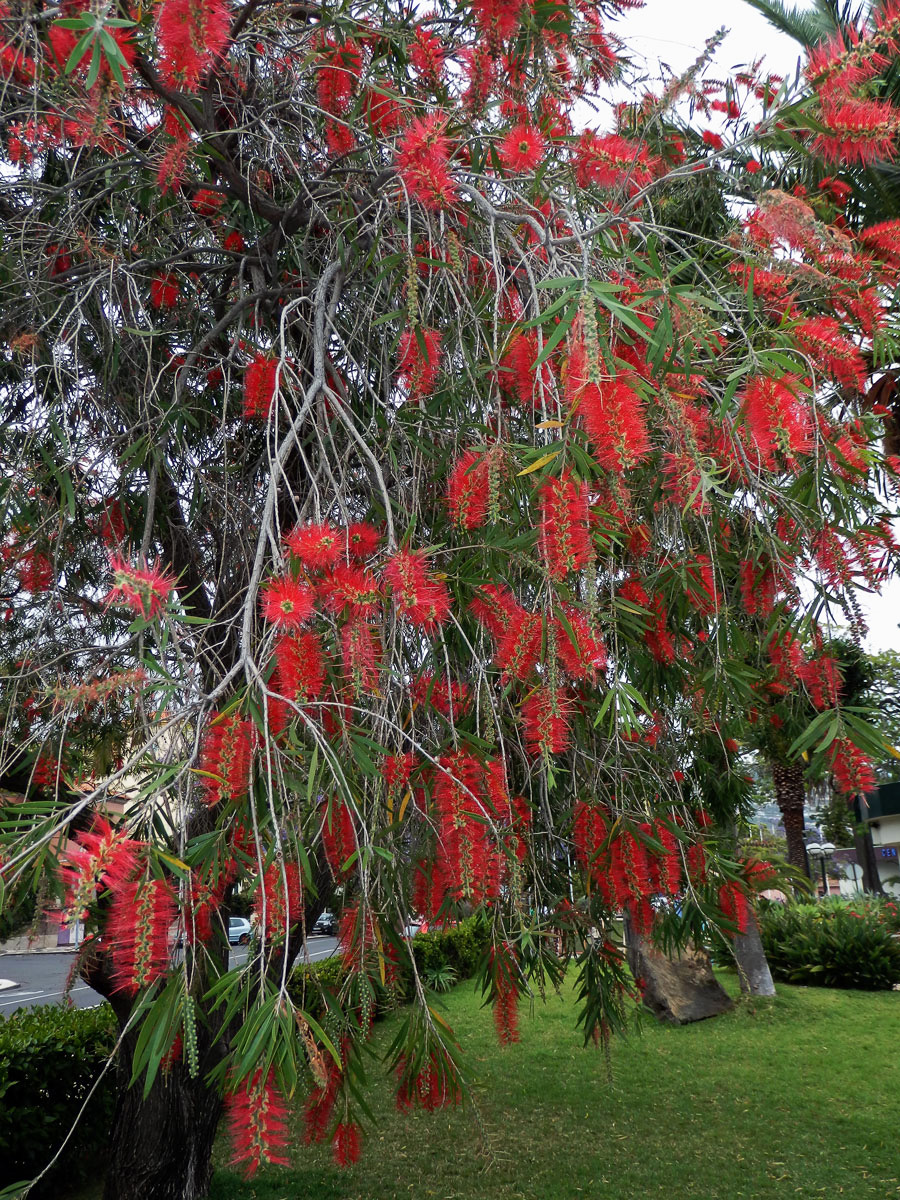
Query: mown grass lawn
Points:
[799, 1096]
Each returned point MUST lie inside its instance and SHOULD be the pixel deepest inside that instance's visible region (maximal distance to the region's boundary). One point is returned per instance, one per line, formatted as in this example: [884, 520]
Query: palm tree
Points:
[876, 187]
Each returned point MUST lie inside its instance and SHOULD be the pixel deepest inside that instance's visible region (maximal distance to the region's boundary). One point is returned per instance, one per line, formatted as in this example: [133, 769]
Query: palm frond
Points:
[807, 26]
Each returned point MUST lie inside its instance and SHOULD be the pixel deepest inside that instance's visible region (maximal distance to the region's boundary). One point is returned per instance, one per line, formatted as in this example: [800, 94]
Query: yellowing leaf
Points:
[550, 424]
[541, 462]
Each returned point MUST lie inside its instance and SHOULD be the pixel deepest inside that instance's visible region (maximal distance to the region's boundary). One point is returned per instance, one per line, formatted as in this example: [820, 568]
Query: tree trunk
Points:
[865, 857]
[790, 796]
[752, 964]
[161, 1145]
[678, 990]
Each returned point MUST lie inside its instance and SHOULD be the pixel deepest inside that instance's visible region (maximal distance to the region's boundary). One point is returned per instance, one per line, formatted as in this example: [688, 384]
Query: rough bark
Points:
[162, 1143]
[678, 990]
[752, 964]
[790, 796]
[865, 857]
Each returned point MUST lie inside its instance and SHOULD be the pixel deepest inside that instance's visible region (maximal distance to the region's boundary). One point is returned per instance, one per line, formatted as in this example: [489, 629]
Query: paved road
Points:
[42, 977]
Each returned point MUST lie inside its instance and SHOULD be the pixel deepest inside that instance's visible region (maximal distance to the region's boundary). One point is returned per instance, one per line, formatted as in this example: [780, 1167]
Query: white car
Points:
[238, 931]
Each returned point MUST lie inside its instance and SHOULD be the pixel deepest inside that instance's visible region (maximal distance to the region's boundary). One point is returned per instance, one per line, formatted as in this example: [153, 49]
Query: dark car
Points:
[326, 925]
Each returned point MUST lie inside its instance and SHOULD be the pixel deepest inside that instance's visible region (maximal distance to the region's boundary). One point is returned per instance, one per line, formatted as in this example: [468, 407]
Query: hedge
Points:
[833, 944]
[461, 947]
[49, 1059]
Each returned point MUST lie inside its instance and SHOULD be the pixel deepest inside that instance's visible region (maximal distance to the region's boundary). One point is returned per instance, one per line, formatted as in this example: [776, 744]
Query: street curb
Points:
[7, 985]
[39, 950]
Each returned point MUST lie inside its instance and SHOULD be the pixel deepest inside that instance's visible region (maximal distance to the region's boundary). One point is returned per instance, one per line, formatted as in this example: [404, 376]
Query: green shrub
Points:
[50, 1058]
[832, 944]
[457, 949]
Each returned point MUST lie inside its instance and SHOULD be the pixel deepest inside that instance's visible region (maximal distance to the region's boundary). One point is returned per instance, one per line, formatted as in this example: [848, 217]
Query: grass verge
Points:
[799, 1096]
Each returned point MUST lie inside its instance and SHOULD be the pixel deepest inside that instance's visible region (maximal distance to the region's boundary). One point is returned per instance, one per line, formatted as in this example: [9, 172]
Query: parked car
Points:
[326, 925]
[238, 931]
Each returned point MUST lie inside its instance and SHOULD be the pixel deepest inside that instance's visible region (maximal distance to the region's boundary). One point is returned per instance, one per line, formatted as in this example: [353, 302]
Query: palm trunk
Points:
[790, 796]
[752, 964]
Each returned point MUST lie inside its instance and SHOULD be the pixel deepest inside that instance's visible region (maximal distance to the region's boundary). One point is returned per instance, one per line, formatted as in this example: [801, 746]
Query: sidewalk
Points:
[43, 943]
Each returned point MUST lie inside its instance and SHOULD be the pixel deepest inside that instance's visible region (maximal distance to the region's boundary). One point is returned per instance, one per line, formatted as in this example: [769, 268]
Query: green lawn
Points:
[795, 1097]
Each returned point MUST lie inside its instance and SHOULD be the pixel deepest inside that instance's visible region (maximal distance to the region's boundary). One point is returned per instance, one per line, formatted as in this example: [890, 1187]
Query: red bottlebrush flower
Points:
[466, 858]
[287, 603]
[345, 1144]
[362, 540]
[35, 572]
[427, 54]
[545, 717]
[497, 20]
[206, 203]
[522, 149]
[164, 291]
[701, 588]
[339, 138]
[759, 874]
[883, 241]
[396, 770]
[758, 588]
[435, 1086]
[832, 353]
[612, 413]
[735, 906]
[192, 34]
[858, 131]
[361, 655]
[611, 161]
[584, 657]
[494, 607]
[504, 976]
[383, 111]
[299, 676]
[234, 242]
[713, 140]
[170, 174]
[418, 371]
[320, 1102]
[518, 375]
[145, 590]
[226, 756]
[260, 385]
[823, 679]
[468, 490]
[316, 546]
[279, 900]
[520, 645]
[669, 865]
[657, 637]
[137, 930]
[851, 768]
[338, 837]
[101, 857]
[452, 700]
[351, 588]
[257, 1124]
[778, 419]
[564, 531]
[423, 162]
[337, 77]
[63, 42]
[421, 598]
[204, 902]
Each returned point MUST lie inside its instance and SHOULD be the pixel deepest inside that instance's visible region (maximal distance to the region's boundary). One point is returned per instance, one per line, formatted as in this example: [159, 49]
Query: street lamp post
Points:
[821, 851]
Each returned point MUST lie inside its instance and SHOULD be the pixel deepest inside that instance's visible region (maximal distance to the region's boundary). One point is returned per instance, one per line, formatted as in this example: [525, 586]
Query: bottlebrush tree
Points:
[393, 479]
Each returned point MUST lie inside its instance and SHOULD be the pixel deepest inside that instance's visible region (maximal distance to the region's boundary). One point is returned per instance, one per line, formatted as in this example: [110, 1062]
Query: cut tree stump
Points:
[678, 990]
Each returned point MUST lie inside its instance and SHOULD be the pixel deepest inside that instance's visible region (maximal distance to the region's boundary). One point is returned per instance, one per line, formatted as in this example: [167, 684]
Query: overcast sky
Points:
[674, 32]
